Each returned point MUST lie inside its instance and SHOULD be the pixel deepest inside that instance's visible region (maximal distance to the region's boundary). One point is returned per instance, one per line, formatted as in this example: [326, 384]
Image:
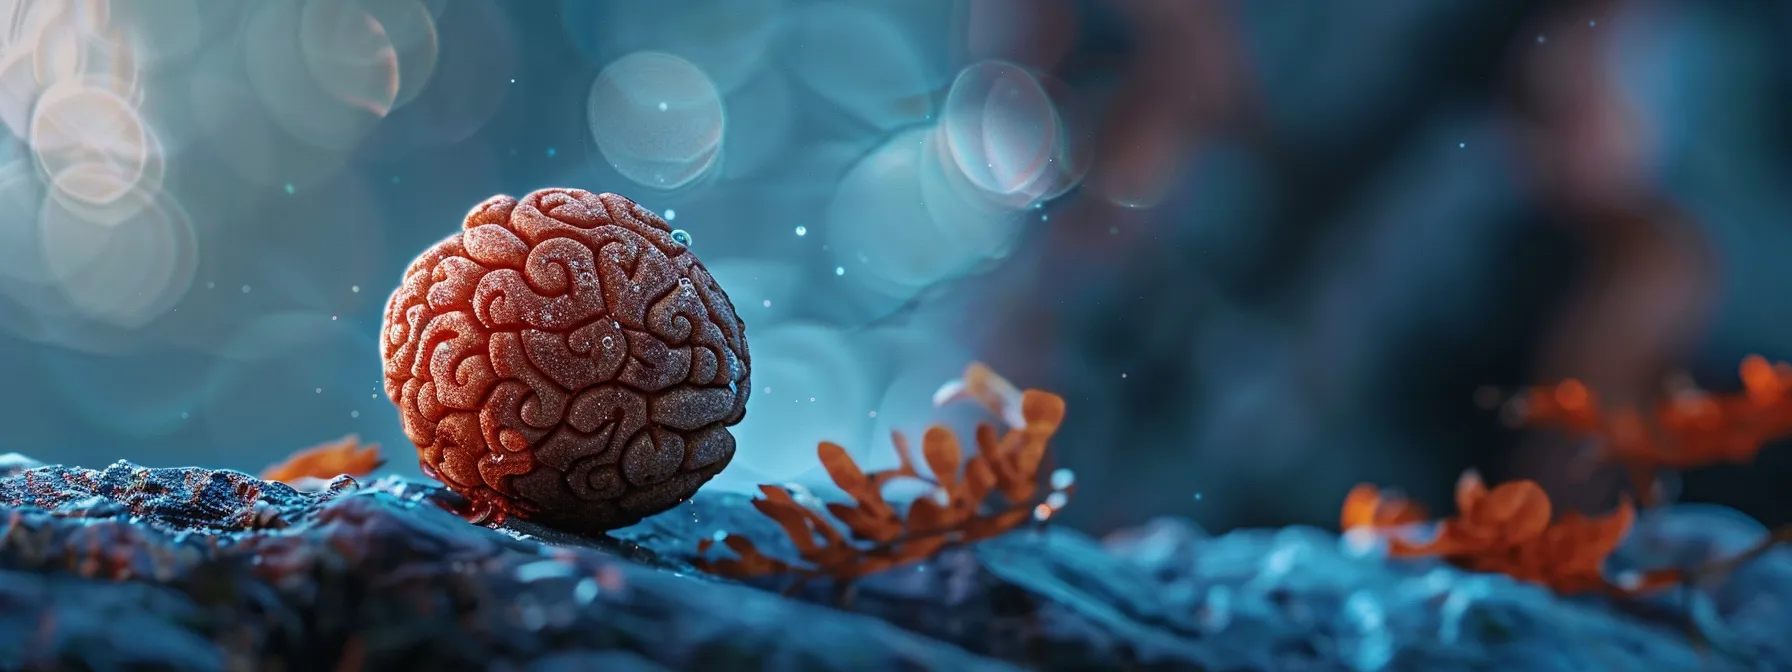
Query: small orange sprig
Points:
[1509, 529]
[995, 490]
[1688, 430]
[344, 456]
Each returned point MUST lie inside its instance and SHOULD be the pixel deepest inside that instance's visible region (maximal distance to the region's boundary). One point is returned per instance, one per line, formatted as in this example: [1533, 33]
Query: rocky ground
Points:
[130, 568]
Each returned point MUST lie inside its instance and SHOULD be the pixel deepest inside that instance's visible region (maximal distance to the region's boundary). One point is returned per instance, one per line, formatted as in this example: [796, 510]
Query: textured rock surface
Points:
[193, 569]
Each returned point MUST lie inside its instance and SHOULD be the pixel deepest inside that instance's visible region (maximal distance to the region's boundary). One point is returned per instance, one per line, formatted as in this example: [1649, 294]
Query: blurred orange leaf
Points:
[344, 456]
[1508, 529]
[1690, 429]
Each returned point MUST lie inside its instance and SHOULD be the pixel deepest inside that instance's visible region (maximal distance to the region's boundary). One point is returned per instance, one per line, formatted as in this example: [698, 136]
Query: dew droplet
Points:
[355, 288]
[682, 236]
[609, 342]
[802, 230]
[839, 270]
[354, 414]
[671, 215]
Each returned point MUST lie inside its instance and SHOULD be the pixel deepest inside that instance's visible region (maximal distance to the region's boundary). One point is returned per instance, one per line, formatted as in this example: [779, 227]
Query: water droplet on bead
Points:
[682, 236]
[609, 342]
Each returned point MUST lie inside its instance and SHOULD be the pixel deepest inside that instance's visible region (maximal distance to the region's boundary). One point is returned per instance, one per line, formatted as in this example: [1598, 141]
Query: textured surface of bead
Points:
[564, 358]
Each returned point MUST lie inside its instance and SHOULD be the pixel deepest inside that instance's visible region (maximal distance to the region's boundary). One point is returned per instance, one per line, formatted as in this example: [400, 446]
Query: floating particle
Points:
[355, 288]
[802, 231]
[354, 414]
[289, 188]
[839, 270]
[509, 338]
[671, 214]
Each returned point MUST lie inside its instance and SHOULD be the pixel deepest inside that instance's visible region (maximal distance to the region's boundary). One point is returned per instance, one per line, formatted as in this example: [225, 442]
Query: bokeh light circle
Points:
[94, 148]
[727, 40]
[657, 119]
[860, 60]
[123, 273]
[1001, 129]
[878, 223]
[348, 51]
[277, 59]
[376, 55]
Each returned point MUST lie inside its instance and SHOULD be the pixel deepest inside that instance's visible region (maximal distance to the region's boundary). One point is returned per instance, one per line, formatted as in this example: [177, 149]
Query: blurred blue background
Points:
[1265, 249]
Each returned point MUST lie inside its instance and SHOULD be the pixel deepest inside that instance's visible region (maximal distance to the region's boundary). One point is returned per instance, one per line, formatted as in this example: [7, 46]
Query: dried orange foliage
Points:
[1509, 529]
[1686, 431]
[344, 456]
[994, 490]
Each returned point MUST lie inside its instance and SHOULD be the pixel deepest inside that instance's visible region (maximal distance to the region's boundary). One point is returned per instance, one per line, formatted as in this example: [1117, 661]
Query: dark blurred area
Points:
[1266, 250]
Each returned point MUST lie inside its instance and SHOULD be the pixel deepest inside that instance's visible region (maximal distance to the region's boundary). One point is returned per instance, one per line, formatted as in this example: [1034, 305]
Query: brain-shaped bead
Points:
[564, 359]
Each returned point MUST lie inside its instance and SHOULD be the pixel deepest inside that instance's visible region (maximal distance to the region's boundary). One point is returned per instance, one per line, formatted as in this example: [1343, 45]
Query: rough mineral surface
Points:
[194, 569]
[566, 359]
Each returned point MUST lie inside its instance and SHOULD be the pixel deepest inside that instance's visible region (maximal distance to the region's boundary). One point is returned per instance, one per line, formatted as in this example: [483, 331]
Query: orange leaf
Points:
[992, 391]
[989, 526]
[1366, 506]
[866, 525]
[788, 514]
[345, 456]
[940, 448]
[978, 478]
[850, 478]
[926, 515]
[1469, 489]
[1043, 411]
[1007, 463]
